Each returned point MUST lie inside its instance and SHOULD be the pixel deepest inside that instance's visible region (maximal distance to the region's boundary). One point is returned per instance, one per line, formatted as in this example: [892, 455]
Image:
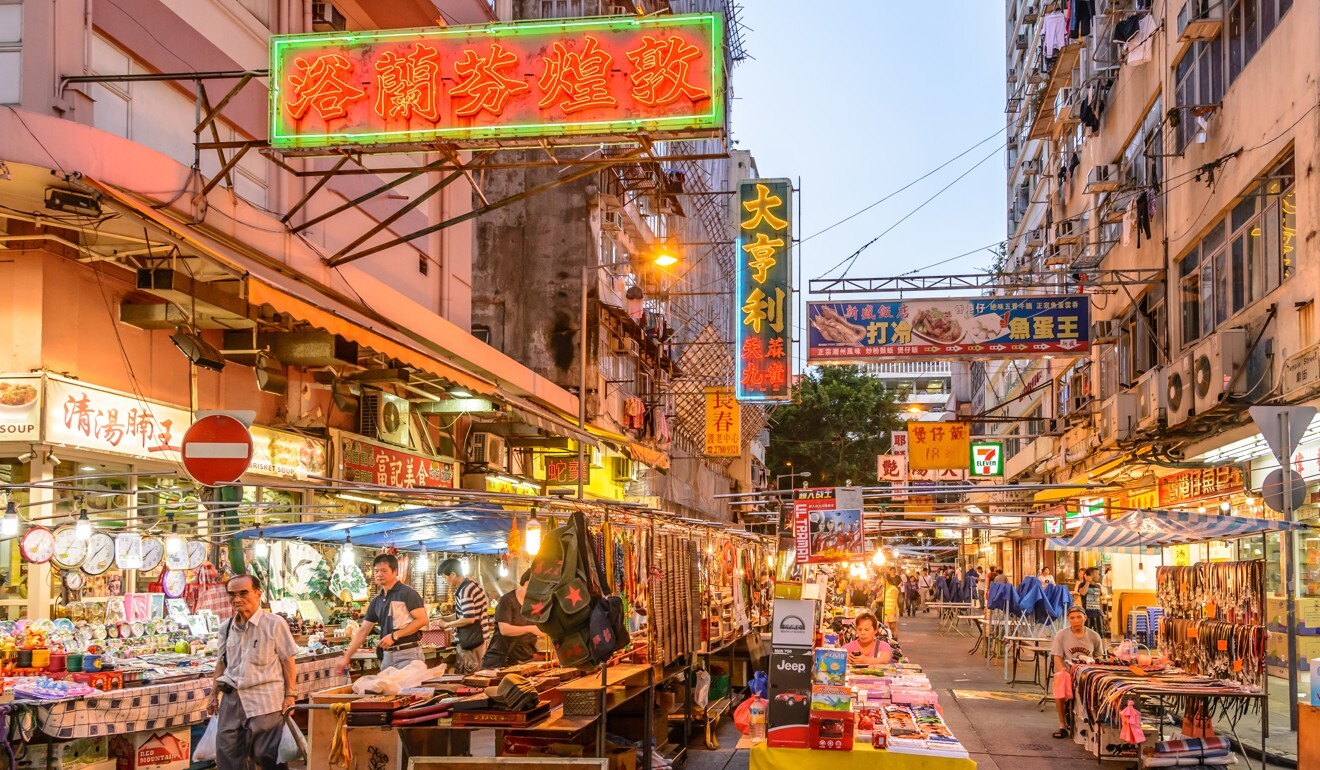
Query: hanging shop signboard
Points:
[980, 328]
[20, 407]
[891, 468]
[1200, 484]
[507, 486]
[805, 503]
[898, 442]
[939, 445]
[934, 474]
[370, 462]
[533, 81]
[286, 455]
[763, 294]
[103, 420]
[987, 459]
[723, 423]
[563, 470]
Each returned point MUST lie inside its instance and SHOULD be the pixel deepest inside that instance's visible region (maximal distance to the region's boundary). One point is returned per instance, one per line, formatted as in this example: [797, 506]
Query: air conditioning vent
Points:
[1022, 41]
[1178, 391]
[1036, 237]
[1102, 178]
[384, 417]
[490, 450]
[624, 346]
[1118, 417]
[1067, 231]
[1104, 331]
[1215, 366]
[327, 18]
[611, 221]
[1152, 398]
[1031, 167]
[623, 469]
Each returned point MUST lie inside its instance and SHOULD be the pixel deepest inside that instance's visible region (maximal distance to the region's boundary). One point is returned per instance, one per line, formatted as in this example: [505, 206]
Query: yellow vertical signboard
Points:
[723, 423]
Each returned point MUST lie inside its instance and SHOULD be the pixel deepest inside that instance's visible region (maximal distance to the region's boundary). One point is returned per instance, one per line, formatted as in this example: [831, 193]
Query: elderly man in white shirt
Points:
[256, 674]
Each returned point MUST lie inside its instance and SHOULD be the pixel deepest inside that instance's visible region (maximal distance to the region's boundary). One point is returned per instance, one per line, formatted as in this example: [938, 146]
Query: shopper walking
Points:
[399, 612]
[891, 606]
[470, 607]
[926, 587]
[254, 680]
[514, 639]
[911, 595]
[1089, 593]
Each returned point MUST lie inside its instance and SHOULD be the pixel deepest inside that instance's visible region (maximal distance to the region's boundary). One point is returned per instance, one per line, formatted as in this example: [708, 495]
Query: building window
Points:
[11, 52]
[1306, 325]
[1189, 290]
[1198, 82]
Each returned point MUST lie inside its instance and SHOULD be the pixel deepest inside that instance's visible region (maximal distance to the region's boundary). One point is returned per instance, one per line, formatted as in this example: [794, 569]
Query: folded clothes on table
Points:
[1161, 760]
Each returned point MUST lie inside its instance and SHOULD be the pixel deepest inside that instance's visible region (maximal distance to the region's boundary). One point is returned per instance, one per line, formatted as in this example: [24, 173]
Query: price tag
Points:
[1223, 645]
[1237, 665]
[1193, 632]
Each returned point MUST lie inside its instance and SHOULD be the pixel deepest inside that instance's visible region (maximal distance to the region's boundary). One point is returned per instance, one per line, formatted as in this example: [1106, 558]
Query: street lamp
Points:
[663, 257]
[791, 476]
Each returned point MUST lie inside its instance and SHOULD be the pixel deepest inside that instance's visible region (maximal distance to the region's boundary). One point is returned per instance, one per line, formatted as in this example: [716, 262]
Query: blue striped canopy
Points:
[478, 528]
[1140, 531]
[1096, 534]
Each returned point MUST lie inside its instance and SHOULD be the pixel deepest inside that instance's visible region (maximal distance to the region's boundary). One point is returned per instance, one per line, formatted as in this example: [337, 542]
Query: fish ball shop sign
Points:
[531, 80]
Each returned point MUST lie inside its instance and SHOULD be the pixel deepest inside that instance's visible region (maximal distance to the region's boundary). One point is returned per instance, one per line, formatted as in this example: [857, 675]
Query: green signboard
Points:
[987, 459]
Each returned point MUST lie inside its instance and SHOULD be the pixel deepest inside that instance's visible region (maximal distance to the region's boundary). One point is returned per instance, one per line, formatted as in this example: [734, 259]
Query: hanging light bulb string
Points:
[10, 523]
[82, 529]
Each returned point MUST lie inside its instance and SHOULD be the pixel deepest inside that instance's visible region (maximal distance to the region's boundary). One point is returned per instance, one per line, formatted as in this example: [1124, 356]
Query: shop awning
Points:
[1177, 527]
[480, 529]
[1097, 535]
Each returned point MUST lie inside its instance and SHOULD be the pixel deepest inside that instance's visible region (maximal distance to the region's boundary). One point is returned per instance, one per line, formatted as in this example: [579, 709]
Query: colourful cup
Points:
[40, 657]
[73, 661]
[57, 662]
[91, 664]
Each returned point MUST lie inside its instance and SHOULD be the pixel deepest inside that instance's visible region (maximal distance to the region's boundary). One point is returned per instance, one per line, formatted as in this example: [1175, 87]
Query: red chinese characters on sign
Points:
[565, 469]
[599, 77]
[371, 463]
[108, 425]
[1201, 483]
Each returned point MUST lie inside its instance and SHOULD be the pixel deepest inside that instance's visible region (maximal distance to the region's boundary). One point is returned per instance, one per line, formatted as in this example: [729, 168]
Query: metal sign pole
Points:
[1289, 575]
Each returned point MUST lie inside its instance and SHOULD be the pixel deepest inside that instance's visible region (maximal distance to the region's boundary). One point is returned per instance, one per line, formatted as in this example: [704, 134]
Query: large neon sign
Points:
[530, 80]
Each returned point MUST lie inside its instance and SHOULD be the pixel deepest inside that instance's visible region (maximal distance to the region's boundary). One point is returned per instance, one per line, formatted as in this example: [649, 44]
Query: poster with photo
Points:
[836, 535]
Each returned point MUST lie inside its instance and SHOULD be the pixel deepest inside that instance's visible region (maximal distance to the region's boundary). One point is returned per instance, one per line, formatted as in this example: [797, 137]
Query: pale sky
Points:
[860, 97]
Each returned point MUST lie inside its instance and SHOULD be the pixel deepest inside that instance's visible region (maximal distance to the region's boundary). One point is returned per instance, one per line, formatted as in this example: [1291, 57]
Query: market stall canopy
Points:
[1143, 531]
[480, 529]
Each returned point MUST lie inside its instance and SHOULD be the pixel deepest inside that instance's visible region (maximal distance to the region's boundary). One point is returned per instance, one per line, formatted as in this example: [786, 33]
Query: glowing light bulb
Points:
[465, 564]
[174, 545]
[1141, 572]
[346, 555]
[504, 568]
[9, 524]
[262, 548]
[770, 560]
[879, 558]
[423, 559]
[82, 529]
[532, 536]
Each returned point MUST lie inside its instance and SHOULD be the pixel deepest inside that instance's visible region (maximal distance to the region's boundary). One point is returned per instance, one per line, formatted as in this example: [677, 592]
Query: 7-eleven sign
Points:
[987, 459]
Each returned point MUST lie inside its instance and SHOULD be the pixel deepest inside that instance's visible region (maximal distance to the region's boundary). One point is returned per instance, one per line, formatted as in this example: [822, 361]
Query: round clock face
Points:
[37, 545]
[74, 581]
[173, 582]
[100, 554]
[153, 550]
[69, 550]
[196, 553]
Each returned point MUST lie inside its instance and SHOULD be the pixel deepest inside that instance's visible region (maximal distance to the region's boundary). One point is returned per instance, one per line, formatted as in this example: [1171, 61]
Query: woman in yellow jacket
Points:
[891, 606]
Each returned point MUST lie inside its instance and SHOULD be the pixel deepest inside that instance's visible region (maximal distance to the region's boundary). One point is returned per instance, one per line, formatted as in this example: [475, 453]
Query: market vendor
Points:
[256, 674]
[514, 640]
[470, 607]
[399, 612]
[867, 649]
[1071, 645]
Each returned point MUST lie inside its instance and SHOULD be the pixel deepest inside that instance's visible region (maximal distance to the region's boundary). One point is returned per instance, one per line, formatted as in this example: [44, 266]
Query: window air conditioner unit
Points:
[1067, 231]
[327, 18]
[1104, 331]
[1102, 178]
[1178, 391]
[1200, 20]
[383, 416]
[623, 469]
[1079, 407]
[1065, 104]
[1022, 41]
[1055, 427]
[1152, 398]
[1029, 13]
[1031, 167]
[1118, 417]
[1036, 237]
[489, 449]
[624, 346]
[1057, 255]
[611, 221]
[1215, 364]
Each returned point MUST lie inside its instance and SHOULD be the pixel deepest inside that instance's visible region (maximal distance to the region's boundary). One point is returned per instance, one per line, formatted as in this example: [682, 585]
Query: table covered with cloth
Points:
[862, 757]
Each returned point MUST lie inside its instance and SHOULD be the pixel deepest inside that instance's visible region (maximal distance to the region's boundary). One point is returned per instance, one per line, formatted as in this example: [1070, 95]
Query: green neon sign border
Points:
[703, 121]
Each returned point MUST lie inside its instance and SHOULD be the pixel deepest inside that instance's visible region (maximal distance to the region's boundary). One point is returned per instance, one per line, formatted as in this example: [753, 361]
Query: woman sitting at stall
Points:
[867, 649]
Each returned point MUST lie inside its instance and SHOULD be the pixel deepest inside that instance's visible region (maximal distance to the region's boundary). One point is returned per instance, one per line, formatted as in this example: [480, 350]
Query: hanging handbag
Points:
[207, 592]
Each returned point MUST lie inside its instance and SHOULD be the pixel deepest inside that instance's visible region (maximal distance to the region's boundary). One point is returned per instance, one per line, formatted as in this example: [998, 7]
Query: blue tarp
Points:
[1002, 597]
[1029, 596]
[1056, 600]
[478, 528]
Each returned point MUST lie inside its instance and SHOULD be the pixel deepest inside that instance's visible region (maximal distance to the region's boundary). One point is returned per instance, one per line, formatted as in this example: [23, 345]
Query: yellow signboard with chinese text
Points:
[723, 423]
[937, 445]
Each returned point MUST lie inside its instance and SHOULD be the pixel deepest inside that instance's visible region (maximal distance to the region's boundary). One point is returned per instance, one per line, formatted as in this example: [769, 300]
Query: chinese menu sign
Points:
[103, 420]
[763, 297]
[276, 453]
[891, 468]
[368, 462]
[564, 469]
[528, 80]
[1011, 327]
[1200, 483]
[939, 445]
[723, 423]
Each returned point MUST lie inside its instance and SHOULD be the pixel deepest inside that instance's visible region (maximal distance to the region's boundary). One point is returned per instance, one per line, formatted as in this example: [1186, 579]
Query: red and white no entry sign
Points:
[217, 450]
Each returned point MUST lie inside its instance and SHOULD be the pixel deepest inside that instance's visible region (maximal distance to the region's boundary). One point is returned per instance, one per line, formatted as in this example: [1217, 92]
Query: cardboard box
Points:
[831, 731]
[830, 667]
[787, 718]
[69, 755]
[153, 750]
[790, 668]
[622, 757]
[794, 623]
[831, 699]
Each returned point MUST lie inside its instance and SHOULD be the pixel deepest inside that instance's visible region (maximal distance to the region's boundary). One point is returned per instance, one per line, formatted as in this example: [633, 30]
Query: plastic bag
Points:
[205, 750]
[290, 750]
[702, 695]
[742, 716]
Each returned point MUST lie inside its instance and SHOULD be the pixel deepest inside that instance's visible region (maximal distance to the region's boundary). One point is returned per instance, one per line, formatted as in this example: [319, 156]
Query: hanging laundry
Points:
[1143, 217]
[1055, 31]
[1129, 221]
[1140, 47]
[1088, 116]
[1079, 18]
[1127, 28]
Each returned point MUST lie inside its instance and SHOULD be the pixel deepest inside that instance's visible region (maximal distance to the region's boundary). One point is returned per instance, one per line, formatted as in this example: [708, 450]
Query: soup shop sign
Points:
[20, 407]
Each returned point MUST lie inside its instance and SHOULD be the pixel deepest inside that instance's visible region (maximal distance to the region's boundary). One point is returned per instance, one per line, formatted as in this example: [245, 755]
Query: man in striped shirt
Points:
[470, 622]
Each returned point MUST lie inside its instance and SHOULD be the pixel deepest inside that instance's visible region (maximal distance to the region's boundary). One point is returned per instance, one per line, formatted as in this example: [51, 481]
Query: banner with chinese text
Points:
[530, 80]
[939, 445]
[371, 462]
[1200, 484]
[563, 470]
[904, 330]
[763, 294]
[103, 420]
[723, 423]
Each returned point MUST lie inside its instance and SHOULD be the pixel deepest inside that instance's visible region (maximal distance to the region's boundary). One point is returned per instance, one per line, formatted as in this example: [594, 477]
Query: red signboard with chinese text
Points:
[1200, 484]
[763, 297]
[563, 469]
[529, 80]
[367, 462]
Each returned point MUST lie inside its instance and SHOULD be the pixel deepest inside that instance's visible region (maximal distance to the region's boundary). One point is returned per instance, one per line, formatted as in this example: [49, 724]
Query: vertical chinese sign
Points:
[763, 297]
[534, 81]
[939, 445]
[723, 423]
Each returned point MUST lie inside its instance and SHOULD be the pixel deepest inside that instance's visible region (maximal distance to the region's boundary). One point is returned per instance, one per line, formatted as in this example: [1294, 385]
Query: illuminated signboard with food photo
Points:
[530, 80]
[978, 327]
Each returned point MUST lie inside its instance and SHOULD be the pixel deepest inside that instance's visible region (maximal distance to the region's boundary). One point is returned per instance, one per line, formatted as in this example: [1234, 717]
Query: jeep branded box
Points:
[793, 632]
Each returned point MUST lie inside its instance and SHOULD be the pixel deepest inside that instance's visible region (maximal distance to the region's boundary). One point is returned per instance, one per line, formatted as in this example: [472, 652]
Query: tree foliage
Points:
[838, 423]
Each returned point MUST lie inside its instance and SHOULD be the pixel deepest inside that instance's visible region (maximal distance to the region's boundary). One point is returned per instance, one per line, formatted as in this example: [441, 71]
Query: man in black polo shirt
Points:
[399, 612]
[514, 640]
